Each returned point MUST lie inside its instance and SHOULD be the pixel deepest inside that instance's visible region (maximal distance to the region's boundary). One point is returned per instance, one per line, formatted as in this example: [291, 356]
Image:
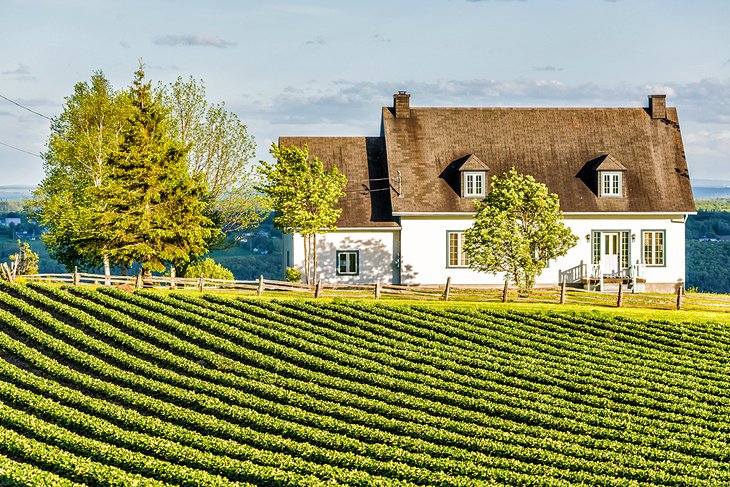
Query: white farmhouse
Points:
[620, 174]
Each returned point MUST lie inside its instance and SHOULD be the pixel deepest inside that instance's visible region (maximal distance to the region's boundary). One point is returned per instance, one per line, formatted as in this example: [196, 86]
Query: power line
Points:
[24, 108]
[21, 150]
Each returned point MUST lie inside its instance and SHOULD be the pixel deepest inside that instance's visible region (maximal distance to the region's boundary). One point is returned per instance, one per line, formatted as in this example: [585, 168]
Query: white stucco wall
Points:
[378, 254]
[424, 248]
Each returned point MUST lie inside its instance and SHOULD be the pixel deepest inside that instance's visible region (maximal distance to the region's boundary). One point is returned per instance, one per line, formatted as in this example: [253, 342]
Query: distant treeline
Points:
[708, 247]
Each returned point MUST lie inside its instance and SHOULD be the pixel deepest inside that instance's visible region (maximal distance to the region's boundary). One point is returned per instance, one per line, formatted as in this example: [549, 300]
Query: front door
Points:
[610, 253]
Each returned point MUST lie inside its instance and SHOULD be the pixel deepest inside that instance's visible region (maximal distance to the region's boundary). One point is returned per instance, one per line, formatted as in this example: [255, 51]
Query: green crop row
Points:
[212, 391]
[194, 401]
[17, 474]
[453, 452]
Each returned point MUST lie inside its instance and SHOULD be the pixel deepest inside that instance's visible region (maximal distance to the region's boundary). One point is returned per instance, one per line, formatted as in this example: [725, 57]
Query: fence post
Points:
[563, 292]
[447, 289]
[260, 289]
[634, 277]
[680, 297]
[173, 275]
[77, 278]
[317, 289]
[600, 277]
[378, 290]
[620, 299]
[138, 281]
[6, 271]
[505, 291]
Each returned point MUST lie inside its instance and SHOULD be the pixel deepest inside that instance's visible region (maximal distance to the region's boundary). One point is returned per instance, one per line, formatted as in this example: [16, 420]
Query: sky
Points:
[326, 67]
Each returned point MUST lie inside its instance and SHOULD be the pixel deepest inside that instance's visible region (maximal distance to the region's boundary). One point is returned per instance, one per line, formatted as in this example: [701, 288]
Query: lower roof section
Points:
[362, 160]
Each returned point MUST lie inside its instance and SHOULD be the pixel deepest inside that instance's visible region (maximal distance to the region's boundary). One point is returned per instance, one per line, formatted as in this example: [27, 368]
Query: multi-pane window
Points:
[457, 256]
[348, 262]
[611, 184]
[653, 244]
[473, 184]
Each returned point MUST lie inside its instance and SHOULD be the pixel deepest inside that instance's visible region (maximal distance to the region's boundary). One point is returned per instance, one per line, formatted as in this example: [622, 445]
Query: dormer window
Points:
[474, 184]
[611, 184]
[473, 176]
[610, 176]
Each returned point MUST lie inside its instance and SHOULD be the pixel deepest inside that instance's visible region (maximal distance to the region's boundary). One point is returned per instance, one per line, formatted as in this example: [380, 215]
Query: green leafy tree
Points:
[517, 230]
[208, 268]
[304, 196]
[153, 209]
[24, 262]
[220, 149]
[82, 138]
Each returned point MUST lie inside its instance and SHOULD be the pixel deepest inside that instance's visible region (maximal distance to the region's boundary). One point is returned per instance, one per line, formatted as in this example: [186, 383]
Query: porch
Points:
[593, 278]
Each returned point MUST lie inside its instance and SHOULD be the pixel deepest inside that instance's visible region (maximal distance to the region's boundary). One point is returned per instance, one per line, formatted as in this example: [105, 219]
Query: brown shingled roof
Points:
[560, 147]
[362, 160]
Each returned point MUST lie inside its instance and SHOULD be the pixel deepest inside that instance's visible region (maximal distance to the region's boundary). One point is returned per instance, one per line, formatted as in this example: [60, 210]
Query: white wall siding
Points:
[424, 248]
[378, 255]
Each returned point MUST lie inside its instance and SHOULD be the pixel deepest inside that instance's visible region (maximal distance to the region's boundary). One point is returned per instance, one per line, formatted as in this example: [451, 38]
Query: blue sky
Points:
[326, 67]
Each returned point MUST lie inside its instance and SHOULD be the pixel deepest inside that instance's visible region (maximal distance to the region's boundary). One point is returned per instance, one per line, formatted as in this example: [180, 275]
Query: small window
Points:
[457, 257]
[473, 184]
[611, 184]
[348, 262]
[653, 246]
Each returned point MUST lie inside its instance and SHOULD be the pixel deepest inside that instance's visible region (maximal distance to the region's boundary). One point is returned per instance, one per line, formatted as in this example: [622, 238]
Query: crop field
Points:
[101, 387]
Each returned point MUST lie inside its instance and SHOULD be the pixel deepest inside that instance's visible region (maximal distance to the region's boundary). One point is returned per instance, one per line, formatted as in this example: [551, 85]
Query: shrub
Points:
[210, 269]
[293, 274]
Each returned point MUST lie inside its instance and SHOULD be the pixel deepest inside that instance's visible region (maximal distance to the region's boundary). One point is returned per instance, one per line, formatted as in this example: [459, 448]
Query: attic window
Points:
[610, 176]
[473, 184]
[472, 176]
[611, 184]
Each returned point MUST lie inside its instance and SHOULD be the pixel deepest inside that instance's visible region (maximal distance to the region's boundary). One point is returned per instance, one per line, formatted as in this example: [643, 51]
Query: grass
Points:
[693, 316]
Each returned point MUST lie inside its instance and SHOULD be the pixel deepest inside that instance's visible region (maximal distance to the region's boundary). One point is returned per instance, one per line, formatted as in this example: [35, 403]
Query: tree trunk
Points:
[107, 270]
[314, 257]
[305, 239]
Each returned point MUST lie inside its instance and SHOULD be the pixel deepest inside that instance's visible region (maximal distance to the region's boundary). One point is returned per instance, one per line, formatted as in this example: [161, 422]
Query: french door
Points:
[611, 252]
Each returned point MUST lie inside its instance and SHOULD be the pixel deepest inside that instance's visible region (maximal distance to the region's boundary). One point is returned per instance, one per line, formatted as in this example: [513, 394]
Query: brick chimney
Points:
[658, 106]
[402, 105]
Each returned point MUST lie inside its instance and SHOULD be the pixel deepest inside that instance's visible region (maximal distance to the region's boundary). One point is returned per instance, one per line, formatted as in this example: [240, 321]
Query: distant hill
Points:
[109, 388]
[18, 192]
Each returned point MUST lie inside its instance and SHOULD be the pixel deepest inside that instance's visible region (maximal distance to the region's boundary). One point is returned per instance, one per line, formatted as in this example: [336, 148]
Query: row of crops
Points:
[102, 387]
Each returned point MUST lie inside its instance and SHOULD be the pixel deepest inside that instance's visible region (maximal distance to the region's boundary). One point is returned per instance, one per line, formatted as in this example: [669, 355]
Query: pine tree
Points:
[154, 211]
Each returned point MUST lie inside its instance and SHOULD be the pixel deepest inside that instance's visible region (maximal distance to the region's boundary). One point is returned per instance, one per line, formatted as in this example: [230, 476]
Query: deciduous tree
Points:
[517, 230]
[220, 149]
[82, 138]
[304, 196]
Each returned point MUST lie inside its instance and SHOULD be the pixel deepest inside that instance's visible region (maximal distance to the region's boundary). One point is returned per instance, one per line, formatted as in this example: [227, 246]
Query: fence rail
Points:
[551, 294]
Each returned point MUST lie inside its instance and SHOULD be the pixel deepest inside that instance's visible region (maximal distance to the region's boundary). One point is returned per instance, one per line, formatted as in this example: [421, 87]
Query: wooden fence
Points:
[456, 293]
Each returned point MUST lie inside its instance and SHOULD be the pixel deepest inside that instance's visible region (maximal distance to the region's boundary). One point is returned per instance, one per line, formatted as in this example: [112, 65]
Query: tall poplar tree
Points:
[220, 149]
[304, 196]
[76, 162]
[153, 209]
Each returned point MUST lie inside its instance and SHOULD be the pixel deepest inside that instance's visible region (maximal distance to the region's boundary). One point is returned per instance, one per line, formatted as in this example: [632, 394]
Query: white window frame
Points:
[656, 256]
[462, 259]
[477, 183]
[348, 254]
[611, 184]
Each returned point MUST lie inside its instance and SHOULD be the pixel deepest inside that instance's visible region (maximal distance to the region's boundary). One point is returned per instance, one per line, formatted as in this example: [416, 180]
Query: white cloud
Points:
[193, 40]
[19, 72]
[318, 41]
